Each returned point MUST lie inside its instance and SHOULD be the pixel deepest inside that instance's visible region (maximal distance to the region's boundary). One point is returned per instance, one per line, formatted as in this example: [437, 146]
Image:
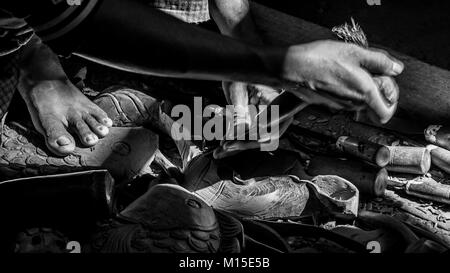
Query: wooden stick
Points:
[422, 187]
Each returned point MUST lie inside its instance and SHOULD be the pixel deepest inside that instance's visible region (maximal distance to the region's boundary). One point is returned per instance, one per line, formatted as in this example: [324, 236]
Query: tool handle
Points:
[405, 159]
[362, 149]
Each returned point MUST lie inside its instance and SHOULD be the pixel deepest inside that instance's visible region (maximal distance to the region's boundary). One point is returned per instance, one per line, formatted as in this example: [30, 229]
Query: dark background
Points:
[417, 28]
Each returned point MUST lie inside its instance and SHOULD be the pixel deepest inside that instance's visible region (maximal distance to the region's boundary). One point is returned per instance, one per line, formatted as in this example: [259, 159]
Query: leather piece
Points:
[166, 219]
[125, 152]
[128, 107]
[260, 198]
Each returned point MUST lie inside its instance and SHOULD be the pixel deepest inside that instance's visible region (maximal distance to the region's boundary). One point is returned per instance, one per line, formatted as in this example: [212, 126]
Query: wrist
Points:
[273, 61]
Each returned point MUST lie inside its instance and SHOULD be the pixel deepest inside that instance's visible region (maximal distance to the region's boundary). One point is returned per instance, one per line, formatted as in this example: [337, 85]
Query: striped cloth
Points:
[14, 33]
[190, 11]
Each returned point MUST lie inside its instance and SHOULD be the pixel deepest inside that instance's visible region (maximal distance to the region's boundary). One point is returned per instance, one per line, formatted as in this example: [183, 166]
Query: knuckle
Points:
[90, 119]
[355, 51]
[365, 92]
[383, 60]
[367, 95]
[100, 113]
[80, 125]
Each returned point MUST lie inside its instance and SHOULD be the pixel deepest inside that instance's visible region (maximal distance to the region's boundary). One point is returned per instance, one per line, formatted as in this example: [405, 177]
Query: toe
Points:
[58, 140]
[98, 128]
[101, 116]
[86, 136]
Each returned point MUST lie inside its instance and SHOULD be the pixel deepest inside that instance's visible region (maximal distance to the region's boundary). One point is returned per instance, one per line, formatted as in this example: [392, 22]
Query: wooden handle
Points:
[365, 150]
[414, 160]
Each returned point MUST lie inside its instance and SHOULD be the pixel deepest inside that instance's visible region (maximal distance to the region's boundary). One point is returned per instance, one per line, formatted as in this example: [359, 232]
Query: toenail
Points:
[102, 128]
[107, 121]
[63, 141]
[90, 138]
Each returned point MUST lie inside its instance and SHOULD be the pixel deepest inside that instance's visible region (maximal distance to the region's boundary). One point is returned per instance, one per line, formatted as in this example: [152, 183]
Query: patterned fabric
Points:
[190, 11]
[9, 77]
[14, 33]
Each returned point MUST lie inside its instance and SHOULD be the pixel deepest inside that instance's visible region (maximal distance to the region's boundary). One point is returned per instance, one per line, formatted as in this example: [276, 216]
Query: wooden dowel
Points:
[365, 150]
[404, 159]
[369, 180]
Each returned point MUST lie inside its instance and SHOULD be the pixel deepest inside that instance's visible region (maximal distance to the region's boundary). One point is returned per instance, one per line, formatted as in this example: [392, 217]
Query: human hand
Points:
[344, 76]
[241, 95]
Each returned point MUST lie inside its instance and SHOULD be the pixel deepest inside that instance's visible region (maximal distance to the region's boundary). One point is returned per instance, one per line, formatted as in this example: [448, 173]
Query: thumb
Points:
[380, 63]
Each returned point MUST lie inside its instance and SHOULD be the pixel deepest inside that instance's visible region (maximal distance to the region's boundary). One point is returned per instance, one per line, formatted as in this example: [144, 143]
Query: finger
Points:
[101, 116]
[238, 93]
[226, 88]
[377, 102]
[380, 63]
[96, 127]
[388, 88]
[58, 140]
[262, 94]
[385, 52]
[344, 92]
[86, 136]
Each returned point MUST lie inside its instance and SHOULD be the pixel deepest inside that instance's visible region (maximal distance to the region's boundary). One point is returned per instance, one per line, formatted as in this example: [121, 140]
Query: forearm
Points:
[132, 36]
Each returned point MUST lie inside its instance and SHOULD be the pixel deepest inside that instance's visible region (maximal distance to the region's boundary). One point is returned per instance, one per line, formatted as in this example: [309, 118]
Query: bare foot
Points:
[57, 107]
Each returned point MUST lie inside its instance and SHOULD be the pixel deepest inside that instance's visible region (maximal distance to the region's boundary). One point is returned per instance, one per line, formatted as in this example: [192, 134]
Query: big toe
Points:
[61, 143]
[58, 140]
